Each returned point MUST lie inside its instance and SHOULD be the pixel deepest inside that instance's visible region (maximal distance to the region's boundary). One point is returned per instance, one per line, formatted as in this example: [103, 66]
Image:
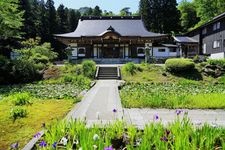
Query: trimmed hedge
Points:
[179, 64]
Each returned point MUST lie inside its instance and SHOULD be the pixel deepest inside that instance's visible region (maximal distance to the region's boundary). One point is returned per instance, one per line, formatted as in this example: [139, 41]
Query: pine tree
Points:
[73, 19]
[62, 14]
[160, 16]
[97, 11]
[51, 18]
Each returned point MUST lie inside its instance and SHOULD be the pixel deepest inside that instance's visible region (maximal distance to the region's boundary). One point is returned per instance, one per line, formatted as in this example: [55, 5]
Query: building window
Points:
[224, 43]
[173, 50]
[216, 26]
[141, 51]
[204, 31]
[81, 52]
[216, 44]
[161, 50]
[204, 48]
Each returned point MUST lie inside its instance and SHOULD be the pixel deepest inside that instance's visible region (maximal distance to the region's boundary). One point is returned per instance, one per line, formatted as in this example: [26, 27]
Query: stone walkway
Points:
[98, 104]
[141, 117]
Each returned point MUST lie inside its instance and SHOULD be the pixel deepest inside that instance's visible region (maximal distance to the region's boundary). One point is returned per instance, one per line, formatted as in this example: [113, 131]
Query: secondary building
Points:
[211, 37]
[115, 37]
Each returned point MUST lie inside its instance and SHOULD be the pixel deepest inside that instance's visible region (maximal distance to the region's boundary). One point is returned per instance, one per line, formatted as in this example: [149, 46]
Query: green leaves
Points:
[10, 19]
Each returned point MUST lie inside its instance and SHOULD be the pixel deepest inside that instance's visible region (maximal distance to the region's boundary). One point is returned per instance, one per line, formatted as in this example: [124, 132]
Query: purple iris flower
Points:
[15, 145]
[108, 148]
[54, 145]
[178, 112]
[156, 117]
[43, 144]
[37, 135]
[164, 138]
[114, 110]
[167, 132]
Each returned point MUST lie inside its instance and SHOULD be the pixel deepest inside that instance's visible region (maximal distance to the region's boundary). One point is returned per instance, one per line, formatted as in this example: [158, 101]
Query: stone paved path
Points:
[140, 117]
[98, 104]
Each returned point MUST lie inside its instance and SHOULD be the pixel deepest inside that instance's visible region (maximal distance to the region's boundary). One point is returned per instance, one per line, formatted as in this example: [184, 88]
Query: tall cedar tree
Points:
[97, 11]
[62, 14]
[160, 16]
[73, 19]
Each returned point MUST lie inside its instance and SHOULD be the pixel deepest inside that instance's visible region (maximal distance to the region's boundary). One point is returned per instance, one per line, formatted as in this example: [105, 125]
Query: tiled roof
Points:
[184, 39]
[125, 26]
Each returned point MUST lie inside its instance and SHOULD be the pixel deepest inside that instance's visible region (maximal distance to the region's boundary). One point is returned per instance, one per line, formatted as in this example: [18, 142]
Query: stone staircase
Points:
[107, 73]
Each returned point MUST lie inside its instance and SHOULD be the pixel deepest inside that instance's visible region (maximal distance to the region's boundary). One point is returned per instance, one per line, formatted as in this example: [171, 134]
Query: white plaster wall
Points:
[156, 53]
[217, 55]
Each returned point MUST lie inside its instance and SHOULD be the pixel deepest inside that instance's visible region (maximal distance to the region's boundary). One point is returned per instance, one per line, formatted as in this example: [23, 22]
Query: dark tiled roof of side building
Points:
[124, 26]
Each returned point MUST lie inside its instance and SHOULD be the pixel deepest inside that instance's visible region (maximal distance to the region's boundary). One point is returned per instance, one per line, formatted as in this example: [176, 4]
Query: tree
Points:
[97, 11]
[125, 12]
[160, 16]
[10, 19]
[108, 13]
[188, 15]
[63, 25]
[207, 9]
[73, 19]
[51, 17]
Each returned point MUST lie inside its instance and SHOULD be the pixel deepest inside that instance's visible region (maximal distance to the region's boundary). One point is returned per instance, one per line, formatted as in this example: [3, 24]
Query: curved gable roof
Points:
[132, 26]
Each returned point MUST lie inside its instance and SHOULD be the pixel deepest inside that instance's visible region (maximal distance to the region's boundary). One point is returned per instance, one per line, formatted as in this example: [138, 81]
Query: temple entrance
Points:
[111, 52]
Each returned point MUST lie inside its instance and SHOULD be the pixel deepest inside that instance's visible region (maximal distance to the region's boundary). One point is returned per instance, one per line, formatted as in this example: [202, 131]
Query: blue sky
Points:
[109, 5]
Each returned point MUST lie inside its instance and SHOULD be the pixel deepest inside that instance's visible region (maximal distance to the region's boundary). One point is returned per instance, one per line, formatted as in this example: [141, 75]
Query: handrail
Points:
[97, 70]
[118, 72]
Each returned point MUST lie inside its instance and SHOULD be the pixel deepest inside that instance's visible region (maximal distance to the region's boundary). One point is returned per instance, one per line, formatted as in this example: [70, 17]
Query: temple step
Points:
[105, 73]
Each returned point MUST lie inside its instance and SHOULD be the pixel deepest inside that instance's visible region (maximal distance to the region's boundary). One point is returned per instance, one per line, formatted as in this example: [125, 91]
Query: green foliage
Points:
[38, 55]
[186, 94]
[131, 68]
[188, 15]
[46, 91]
[10, 19]
[18, 112]
[206, 10]
[216, 62]
[89, 68]
[158, 15]
[178, 65]
[180, 134]
[21, 99]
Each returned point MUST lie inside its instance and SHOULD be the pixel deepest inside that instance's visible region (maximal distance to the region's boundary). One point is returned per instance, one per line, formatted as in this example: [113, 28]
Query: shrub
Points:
[18, 112]
[130, 68]
[218, 62]
[78, 80]
[178, 65]
[89, 68]
[25, 71]
[21, 99]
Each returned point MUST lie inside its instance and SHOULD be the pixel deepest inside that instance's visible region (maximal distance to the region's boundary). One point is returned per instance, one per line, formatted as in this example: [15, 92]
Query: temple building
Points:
[109, 38]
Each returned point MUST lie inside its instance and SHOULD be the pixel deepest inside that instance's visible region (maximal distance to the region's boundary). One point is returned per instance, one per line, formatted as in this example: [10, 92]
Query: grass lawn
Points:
[151, 86]
[23, 129]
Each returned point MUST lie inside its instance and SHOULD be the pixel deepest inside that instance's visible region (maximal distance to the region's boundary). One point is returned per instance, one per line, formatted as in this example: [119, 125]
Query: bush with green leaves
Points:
[216, 62]
[21, 99]
[18, 112]
[130, 68]
[176, 65]
[89, 68]
[38, 54]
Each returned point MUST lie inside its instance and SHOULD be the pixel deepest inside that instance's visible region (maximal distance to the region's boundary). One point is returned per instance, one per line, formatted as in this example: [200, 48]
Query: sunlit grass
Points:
[23, 129]
[173, 96]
